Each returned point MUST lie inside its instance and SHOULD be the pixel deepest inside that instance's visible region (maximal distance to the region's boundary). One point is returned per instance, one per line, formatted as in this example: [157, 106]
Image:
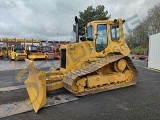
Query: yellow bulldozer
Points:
[98, 62]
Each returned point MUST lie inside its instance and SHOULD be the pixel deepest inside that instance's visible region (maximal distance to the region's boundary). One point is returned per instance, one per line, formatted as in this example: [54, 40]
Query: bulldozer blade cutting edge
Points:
[36, 86]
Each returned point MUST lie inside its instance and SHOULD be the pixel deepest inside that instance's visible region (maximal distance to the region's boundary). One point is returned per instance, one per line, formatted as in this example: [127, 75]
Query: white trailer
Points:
[154, 51]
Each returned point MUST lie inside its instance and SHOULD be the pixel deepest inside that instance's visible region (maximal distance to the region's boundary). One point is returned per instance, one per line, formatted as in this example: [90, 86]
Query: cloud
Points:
[55, 18]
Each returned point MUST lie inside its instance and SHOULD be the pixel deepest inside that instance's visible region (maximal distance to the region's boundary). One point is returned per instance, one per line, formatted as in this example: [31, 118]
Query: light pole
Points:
[57, 36]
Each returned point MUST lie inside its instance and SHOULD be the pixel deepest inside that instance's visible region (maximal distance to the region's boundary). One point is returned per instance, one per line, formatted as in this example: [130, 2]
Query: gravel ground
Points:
[132, 103]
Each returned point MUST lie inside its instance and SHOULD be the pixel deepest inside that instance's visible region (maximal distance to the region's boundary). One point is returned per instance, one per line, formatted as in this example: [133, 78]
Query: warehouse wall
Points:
[154, 51]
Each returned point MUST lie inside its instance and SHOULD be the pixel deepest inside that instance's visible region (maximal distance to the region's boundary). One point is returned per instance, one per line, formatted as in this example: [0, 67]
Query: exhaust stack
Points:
[77, 30]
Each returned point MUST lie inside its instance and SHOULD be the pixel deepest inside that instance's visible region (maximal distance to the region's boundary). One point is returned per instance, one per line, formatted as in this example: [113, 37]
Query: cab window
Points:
[101, 38]
[89, 32]
[115, 32]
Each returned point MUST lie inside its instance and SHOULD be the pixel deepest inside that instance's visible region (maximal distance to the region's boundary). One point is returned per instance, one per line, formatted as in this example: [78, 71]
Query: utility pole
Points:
[57, 36]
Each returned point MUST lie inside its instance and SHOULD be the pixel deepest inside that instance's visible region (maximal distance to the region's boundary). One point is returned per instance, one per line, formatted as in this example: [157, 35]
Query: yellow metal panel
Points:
[3, 39]
[34, 41]
[107, 79]
[96, 80]
[55, 85]
[81, 82]
[33, 56]
[20, 40]
[56, 77]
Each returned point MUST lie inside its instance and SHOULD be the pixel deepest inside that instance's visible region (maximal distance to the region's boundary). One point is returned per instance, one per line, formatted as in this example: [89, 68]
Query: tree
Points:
[150, 25]
[91, 14]
[153, 20]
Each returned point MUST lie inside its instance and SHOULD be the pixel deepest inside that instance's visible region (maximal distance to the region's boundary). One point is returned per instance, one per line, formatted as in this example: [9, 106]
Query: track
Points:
[72, 76]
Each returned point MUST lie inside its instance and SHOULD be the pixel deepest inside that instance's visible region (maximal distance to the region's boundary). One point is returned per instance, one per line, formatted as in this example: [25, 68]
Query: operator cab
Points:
[18, 49]
[103, 32]
[31, 48]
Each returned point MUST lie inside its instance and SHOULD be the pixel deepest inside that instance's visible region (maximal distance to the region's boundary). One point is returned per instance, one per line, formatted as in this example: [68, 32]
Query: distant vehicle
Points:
[56, 51]
[33, 52]
[3, 51]
[48, 52]
[17, 53]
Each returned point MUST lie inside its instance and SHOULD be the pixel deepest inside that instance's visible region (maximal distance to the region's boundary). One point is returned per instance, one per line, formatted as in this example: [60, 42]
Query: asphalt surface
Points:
[14, 65]
[14, 73]
[132, 103]
[15, 77]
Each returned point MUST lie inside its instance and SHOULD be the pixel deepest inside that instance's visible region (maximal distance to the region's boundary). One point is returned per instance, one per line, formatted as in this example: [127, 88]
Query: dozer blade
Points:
[36, 86]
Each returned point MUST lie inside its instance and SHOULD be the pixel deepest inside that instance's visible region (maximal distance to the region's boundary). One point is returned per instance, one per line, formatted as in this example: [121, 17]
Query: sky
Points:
[54, 19]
